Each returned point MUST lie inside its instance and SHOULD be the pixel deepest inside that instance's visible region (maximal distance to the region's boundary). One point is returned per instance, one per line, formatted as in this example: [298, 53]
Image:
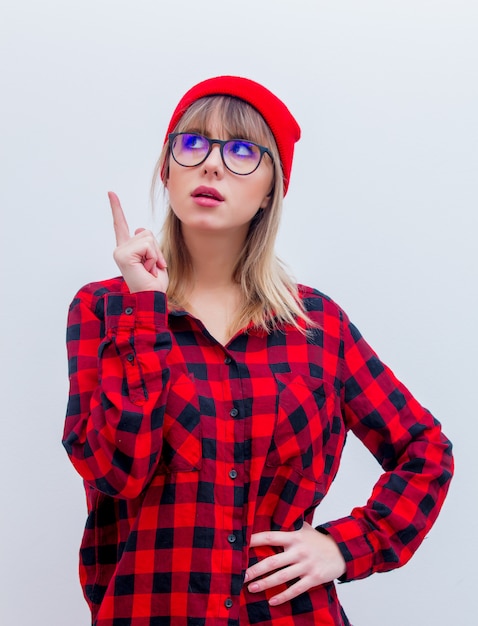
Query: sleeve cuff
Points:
[355, 542]
[126, 311]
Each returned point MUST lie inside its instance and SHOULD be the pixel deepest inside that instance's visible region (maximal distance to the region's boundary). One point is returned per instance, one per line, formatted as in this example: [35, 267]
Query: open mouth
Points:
[207, 192]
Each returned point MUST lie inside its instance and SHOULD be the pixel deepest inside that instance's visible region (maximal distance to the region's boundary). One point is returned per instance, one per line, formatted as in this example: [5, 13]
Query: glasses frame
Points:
[221, 142]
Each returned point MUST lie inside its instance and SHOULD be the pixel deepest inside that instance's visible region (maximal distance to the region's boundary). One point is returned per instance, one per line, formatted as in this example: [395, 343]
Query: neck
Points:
[214, 258]
[214, 297]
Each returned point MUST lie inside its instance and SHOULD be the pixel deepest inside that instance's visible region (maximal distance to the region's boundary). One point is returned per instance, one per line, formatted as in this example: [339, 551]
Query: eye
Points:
[193, 142]
[242, 149]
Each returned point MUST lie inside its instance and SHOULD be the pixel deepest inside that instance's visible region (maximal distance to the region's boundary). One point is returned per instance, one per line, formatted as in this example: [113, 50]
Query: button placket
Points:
[234, 539]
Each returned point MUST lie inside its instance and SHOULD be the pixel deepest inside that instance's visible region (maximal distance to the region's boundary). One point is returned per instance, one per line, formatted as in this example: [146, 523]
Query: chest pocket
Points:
[182, 433]
[305, 411]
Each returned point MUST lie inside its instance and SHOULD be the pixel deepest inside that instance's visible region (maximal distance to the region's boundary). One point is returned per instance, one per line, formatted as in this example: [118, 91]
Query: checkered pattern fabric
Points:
[187, 447]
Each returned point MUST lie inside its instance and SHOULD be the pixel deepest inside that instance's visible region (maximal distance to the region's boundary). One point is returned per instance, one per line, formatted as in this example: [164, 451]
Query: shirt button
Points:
[233, 412]
[228, 603]
[128, 310]
[130, 358]
[228, 360]
[232, 538]
[233, 474]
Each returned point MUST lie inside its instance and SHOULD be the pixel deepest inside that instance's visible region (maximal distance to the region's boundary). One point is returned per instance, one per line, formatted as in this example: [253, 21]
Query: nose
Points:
[214, 164]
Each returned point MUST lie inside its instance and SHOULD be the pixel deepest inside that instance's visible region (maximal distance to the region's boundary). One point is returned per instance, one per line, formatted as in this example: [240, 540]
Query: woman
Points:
[211, 396]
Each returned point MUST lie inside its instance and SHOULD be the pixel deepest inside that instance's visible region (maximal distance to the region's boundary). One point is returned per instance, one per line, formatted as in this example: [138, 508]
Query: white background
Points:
[381, 215]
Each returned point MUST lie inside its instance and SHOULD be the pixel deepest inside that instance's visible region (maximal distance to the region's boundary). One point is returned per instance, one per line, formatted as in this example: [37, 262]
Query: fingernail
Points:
[253, 587]
[246, 577]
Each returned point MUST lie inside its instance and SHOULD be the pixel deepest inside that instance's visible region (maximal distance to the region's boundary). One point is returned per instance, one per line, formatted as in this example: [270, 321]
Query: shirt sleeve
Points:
[409, 444]
[117, 345]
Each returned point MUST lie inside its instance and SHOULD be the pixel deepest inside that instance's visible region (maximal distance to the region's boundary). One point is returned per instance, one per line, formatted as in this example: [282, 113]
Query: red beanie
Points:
[285, 129]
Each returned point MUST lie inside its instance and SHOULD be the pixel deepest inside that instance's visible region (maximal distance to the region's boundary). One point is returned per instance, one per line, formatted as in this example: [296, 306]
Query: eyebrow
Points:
[229, 137]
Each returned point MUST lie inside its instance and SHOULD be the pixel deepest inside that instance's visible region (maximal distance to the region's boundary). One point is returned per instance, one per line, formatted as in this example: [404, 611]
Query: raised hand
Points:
[138, 257]
[309, 556]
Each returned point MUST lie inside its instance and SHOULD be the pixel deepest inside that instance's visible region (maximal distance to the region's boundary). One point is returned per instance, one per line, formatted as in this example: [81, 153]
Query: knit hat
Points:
[284, 127]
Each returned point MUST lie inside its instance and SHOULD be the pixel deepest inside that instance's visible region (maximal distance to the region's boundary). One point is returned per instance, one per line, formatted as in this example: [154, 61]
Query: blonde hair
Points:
[269, 294]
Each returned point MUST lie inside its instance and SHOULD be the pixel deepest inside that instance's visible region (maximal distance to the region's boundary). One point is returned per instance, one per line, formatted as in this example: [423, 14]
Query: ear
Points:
[266, 201]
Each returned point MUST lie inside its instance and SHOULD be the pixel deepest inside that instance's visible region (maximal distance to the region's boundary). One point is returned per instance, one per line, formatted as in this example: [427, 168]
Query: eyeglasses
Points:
[238, 155]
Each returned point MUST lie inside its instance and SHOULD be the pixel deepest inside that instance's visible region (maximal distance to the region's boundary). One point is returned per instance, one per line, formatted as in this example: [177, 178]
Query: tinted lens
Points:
[189, 149]
[241, 156]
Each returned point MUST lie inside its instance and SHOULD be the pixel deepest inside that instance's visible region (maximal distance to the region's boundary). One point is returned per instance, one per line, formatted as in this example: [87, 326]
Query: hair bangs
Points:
[236, 118]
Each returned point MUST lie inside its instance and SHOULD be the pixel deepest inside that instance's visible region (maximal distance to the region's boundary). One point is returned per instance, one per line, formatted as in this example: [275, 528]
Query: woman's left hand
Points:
[309, 556]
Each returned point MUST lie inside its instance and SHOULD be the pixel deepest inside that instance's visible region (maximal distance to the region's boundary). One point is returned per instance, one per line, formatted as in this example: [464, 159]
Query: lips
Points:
[207, 192]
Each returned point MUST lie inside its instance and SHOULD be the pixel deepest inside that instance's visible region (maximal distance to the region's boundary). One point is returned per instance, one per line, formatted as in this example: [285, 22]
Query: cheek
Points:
[264, 188]
[174, 182]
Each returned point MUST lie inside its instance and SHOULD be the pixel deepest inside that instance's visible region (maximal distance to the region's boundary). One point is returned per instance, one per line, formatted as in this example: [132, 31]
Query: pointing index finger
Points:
[119, 221]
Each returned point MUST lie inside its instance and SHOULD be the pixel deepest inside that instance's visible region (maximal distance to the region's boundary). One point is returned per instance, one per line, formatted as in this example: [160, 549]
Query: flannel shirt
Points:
[187, 447]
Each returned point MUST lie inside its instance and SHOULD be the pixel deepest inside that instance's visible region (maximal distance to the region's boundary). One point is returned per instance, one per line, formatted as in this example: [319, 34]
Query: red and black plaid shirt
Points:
[187, 447]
